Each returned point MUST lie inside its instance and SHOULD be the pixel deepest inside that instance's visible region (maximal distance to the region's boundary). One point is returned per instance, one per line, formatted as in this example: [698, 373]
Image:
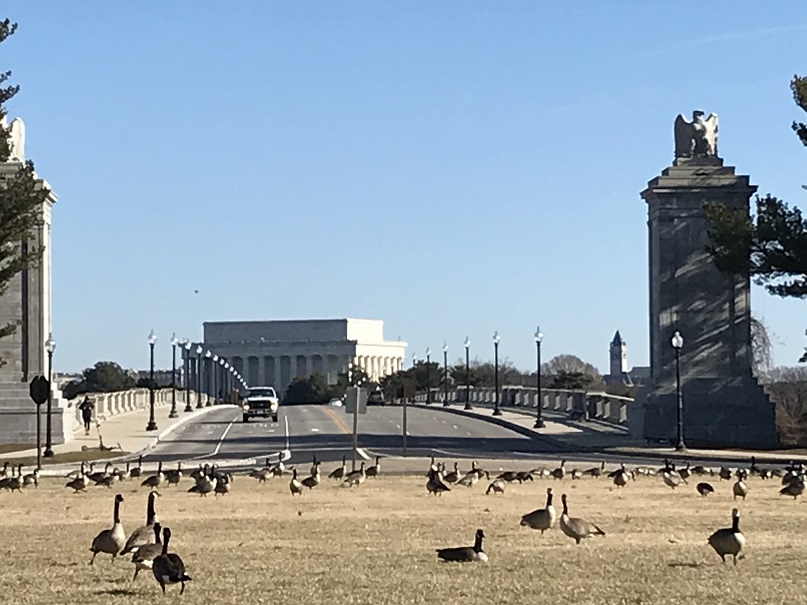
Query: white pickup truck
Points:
[260, 401]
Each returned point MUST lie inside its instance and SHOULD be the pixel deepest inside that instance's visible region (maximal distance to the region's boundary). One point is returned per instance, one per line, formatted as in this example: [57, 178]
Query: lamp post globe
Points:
[467, 345]
[496, 339]
[187, 346]
[50, 347]
[539, 421]
[677, 342]
[152, 424]
[445, 374]
[174, 343]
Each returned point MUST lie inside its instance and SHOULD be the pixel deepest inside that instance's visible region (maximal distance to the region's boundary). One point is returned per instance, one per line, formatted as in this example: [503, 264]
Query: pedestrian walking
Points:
[87, 407]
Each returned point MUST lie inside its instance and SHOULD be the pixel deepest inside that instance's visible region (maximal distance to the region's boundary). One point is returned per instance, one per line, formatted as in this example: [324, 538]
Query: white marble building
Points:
[275, 352]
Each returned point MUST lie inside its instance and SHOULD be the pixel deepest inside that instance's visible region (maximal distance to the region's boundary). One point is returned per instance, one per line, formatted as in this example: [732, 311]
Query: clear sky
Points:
[453, 168]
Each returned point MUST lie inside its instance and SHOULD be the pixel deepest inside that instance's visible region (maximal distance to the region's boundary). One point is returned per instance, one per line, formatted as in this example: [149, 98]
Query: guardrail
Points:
[115, 403]
[577, 404]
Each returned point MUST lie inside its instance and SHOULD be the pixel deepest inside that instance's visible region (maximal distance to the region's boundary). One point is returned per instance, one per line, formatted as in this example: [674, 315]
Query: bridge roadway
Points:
[327, 432]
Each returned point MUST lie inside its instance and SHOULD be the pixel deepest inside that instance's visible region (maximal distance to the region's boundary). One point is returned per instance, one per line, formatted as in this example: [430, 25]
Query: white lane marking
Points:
[315, 430]
[221, 440]
[397, 426]
[286, 455]
[467, 433]
[362, 453]
[444, 422]
[455, 426]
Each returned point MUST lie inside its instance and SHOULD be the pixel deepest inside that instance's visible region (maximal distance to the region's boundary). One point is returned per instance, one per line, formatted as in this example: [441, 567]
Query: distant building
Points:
[618, 372]
[275, 352]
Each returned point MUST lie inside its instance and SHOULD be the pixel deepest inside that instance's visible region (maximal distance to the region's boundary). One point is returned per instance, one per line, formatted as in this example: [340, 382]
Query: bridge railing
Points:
[584, 404]
[116, 403]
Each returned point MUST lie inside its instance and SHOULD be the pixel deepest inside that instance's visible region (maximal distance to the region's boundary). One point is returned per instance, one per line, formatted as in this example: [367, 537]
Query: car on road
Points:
[260, 401]
[376, 397]
[335, 402]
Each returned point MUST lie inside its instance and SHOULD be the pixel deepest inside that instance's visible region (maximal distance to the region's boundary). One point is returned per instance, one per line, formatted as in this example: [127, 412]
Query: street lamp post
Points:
[187, 345]
[445, 374]
[50, 346]
[677, 342]
[222, 389]
[152, 425]
[174, 342]
[208, 371]
[496, 410]
[414, 373]
[467, 344]
[199, 377]
[215, 372]
[539, 421]
[428, 376]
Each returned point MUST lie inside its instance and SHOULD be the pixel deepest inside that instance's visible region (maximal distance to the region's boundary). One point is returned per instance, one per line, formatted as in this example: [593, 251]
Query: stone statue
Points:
[697, 138]
[16, 139]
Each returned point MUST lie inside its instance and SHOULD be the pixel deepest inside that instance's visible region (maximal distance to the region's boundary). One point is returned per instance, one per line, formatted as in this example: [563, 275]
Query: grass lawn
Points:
[375, 544]
[88, 455]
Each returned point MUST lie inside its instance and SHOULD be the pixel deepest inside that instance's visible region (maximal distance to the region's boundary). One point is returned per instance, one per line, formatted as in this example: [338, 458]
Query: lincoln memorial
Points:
[275, 352]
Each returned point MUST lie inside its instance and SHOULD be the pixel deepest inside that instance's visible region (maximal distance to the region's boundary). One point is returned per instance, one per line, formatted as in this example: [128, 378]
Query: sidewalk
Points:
[126, 433]
[597, 437]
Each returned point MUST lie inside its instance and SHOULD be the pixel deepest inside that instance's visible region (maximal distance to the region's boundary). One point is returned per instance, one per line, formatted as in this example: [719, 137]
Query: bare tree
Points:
[761, 348]
[569, 364]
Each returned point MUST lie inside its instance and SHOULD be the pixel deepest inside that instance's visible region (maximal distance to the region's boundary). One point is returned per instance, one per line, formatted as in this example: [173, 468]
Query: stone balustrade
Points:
[122, 402]
[589, 405]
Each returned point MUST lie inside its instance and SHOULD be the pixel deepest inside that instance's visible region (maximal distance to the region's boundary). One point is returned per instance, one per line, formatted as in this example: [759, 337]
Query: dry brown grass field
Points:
[375, 544]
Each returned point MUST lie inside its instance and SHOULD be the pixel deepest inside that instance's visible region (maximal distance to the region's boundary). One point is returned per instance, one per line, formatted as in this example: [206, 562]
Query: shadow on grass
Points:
[690, 564]
[118, 592]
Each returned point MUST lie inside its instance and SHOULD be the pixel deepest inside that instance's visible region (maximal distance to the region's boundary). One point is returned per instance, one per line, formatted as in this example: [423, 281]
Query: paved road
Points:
[327, 432]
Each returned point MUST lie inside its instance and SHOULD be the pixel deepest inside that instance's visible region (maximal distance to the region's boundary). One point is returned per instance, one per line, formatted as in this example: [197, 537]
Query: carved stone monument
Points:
[28, 302]
[722, 401]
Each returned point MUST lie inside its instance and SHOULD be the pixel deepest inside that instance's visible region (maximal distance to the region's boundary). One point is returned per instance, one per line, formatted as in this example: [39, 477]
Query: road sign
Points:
[353, 395]
[39, 389]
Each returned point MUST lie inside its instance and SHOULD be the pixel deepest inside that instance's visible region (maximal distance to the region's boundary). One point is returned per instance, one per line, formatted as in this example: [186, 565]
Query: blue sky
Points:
[452, 168]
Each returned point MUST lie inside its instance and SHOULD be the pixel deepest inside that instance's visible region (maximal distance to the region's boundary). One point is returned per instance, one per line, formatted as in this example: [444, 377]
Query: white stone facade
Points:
[273, 353]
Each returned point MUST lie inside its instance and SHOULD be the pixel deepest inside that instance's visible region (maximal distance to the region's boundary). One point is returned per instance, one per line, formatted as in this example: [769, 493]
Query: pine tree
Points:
[21, 199]
[771, 247]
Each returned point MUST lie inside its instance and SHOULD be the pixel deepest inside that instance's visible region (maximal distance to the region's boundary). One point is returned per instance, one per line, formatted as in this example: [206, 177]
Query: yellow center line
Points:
[337, 421]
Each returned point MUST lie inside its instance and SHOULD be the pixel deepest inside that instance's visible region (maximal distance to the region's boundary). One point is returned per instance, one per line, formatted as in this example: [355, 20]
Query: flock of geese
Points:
[726, 542]
[148, 545]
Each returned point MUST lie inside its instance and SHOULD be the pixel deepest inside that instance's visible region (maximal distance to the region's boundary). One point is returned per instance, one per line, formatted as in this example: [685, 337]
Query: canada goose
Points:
[477, 471]
[685, 472]
[168, 567]
[576, 473]
[522, 476]
[621, 477]
[312, 481]
[108, 481]
[137, 471]
[143, 557]
[453, 476]
[4, 472]
[595, 471]
[435, 484]
[374, 470]
[433, 467]
[543, 518]
[112, 540]
[740, 489]
[671, 480]
[199, 472]
[204, 486]
[469, 480]
[145, 533]
[156, 480]
[576, 528]
[80, 483]
[314, 464]
[729, 540]
[560, 472]
[508, 476]
[31, 479]
[699, 470]
[173, 476]
[496, 486]
[704, 489]
[15, 481]
[465, 554]
[295, 486]
[725, 473]
[223, 484]
[261, 474]
[356, 477]
[794, 489]
[339, 473]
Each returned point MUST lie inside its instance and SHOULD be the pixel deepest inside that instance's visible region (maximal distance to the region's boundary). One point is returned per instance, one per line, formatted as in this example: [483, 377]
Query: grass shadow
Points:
[118, 592]
[689, 564]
